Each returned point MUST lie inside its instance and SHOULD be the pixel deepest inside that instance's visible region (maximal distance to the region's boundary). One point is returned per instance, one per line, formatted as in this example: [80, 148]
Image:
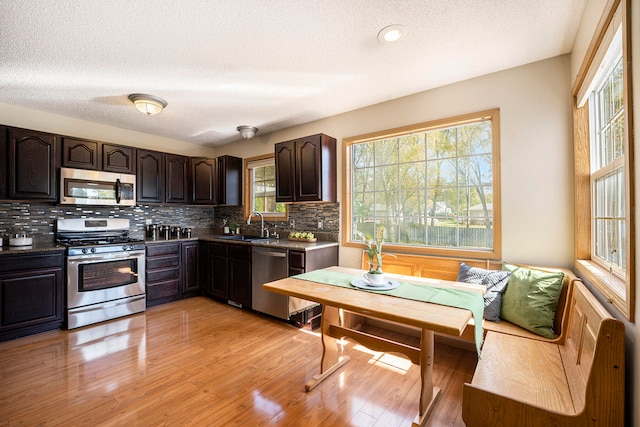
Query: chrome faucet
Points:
[262, 230]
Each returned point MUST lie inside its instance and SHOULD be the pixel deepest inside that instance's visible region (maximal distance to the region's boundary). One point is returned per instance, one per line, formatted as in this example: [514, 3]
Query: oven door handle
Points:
[118, 190]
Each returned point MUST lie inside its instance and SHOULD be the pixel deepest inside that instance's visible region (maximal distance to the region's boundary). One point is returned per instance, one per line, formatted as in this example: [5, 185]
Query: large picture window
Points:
[603, 154]
[432, 186]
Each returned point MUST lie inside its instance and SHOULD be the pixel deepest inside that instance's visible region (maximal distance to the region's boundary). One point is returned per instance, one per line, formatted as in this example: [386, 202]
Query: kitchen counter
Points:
[274, 243]
[36, 247]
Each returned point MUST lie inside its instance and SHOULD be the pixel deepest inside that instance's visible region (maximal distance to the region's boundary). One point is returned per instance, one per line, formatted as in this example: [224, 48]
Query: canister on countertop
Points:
[186, 232]
[164, 231]
[152, 231]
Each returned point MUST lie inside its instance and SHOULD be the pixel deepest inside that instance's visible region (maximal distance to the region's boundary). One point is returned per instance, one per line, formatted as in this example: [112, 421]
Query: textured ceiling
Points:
[271, 64]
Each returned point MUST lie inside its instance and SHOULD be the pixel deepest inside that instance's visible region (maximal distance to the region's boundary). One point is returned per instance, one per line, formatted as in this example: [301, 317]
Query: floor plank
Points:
[198, 362]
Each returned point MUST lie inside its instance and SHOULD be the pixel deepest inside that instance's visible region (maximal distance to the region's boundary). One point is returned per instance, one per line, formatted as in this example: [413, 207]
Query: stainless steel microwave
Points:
[87, 187]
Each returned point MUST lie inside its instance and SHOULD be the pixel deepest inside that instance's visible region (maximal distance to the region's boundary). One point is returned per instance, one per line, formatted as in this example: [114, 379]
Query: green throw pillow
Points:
[531, 299]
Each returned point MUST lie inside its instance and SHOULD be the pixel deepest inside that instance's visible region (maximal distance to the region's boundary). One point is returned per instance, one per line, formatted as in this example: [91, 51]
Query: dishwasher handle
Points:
[273, 254]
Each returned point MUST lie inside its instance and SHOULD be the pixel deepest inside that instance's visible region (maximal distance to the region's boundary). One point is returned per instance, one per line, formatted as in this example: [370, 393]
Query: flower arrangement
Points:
[374, 248]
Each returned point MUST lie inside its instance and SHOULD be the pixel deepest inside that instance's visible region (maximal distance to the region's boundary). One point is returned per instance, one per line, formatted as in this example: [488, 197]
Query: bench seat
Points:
[578, 381]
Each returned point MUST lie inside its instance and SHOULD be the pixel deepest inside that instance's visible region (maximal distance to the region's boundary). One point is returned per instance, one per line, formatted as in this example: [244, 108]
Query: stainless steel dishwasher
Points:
[267, 265]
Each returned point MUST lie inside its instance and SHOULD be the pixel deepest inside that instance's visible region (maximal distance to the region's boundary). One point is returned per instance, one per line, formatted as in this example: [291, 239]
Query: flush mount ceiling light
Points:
[392, 33]
[147, 104]
[247, 132]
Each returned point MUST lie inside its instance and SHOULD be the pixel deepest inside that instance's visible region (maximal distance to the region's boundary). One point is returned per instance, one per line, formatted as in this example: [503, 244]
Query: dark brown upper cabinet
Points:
[81, 154]
[229, 181]
[4, 162]
[176, 168]
[161, 177]
[118, 158]
[94, 155]
[306, 169]
[33, 161]
[150, 176]
[203, 181]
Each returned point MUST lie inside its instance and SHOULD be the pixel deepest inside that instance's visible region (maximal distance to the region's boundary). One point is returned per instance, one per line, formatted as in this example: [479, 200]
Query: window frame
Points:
[603, 277]
[496, 252]
[248, 190]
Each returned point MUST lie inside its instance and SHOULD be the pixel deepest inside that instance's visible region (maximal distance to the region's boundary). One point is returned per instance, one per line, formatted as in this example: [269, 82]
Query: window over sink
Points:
[260, 189]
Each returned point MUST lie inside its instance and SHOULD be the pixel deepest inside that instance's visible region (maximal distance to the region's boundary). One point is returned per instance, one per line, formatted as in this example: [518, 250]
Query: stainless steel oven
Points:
[105, 270]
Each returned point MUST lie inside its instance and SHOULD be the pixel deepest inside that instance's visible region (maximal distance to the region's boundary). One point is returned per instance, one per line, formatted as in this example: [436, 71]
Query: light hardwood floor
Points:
[203, 363]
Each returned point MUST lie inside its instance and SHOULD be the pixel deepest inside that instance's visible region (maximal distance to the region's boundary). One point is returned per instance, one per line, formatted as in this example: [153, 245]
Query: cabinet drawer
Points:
[168, 288]
[162, 275]
[240, 251]
[163, 249]
[163, 262]
[296, 259]
[32, 261]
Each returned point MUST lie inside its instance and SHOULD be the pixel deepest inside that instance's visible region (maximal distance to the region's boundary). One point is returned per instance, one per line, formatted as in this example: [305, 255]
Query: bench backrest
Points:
[447, 269]
[593, 353]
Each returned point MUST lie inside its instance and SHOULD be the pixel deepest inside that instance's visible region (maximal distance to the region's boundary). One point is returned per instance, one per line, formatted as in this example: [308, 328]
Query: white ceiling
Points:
[266, 63]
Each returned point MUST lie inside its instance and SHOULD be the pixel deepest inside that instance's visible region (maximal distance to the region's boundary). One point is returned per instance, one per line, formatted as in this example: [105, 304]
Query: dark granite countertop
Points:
[276, 243]
[36, 247]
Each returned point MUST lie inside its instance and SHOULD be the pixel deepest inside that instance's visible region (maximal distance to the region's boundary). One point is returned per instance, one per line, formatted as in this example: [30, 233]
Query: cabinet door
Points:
[190, 255]
[4, 162]
[229, 181]
[219, 286]
[31, 297]
[81, 154]
[240, 281]
[150, 177]
[116, 158]
[203, 181]
[285, 171]
[308, 173]
[33, 165]
[176, 178]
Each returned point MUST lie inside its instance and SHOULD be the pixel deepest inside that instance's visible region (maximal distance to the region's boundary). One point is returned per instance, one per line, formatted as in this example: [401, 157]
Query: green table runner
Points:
[472, 301]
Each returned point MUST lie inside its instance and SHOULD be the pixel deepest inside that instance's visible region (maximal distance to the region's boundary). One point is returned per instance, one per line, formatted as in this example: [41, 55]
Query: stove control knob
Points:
[85, 250]
[124, 248]
[93, 250]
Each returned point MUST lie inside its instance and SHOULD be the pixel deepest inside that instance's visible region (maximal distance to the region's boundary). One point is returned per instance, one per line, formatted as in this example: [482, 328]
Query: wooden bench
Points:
[447, 269]
[575, 381]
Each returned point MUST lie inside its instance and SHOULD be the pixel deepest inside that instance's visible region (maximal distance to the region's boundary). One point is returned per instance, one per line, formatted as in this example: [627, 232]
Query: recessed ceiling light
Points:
[392, 33]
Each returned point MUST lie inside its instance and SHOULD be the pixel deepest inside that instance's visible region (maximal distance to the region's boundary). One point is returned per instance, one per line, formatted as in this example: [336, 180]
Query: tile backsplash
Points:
[39, 219]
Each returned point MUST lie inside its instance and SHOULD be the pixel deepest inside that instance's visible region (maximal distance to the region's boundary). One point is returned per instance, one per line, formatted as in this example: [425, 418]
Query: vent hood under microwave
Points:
[88, 187]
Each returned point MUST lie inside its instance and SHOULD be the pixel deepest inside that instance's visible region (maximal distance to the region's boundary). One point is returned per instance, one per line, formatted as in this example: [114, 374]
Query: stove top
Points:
[97, 241]
[96, 236]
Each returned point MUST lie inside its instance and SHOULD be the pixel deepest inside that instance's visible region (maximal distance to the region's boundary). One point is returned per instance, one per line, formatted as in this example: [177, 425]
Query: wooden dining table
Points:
[340, 302]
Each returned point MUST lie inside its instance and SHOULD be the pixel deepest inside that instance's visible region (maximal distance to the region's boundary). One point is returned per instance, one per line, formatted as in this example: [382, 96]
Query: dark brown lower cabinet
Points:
[226, 272]
[171, 271]
[31, 293]
[190, 271]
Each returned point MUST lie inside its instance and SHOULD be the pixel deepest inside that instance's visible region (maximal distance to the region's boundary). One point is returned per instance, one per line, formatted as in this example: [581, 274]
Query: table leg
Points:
[428, 393]
[331, 360]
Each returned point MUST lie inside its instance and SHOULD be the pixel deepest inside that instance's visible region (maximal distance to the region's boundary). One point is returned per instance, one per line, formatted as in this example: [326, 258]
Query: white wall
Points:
[53, 123]
[536, 150]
